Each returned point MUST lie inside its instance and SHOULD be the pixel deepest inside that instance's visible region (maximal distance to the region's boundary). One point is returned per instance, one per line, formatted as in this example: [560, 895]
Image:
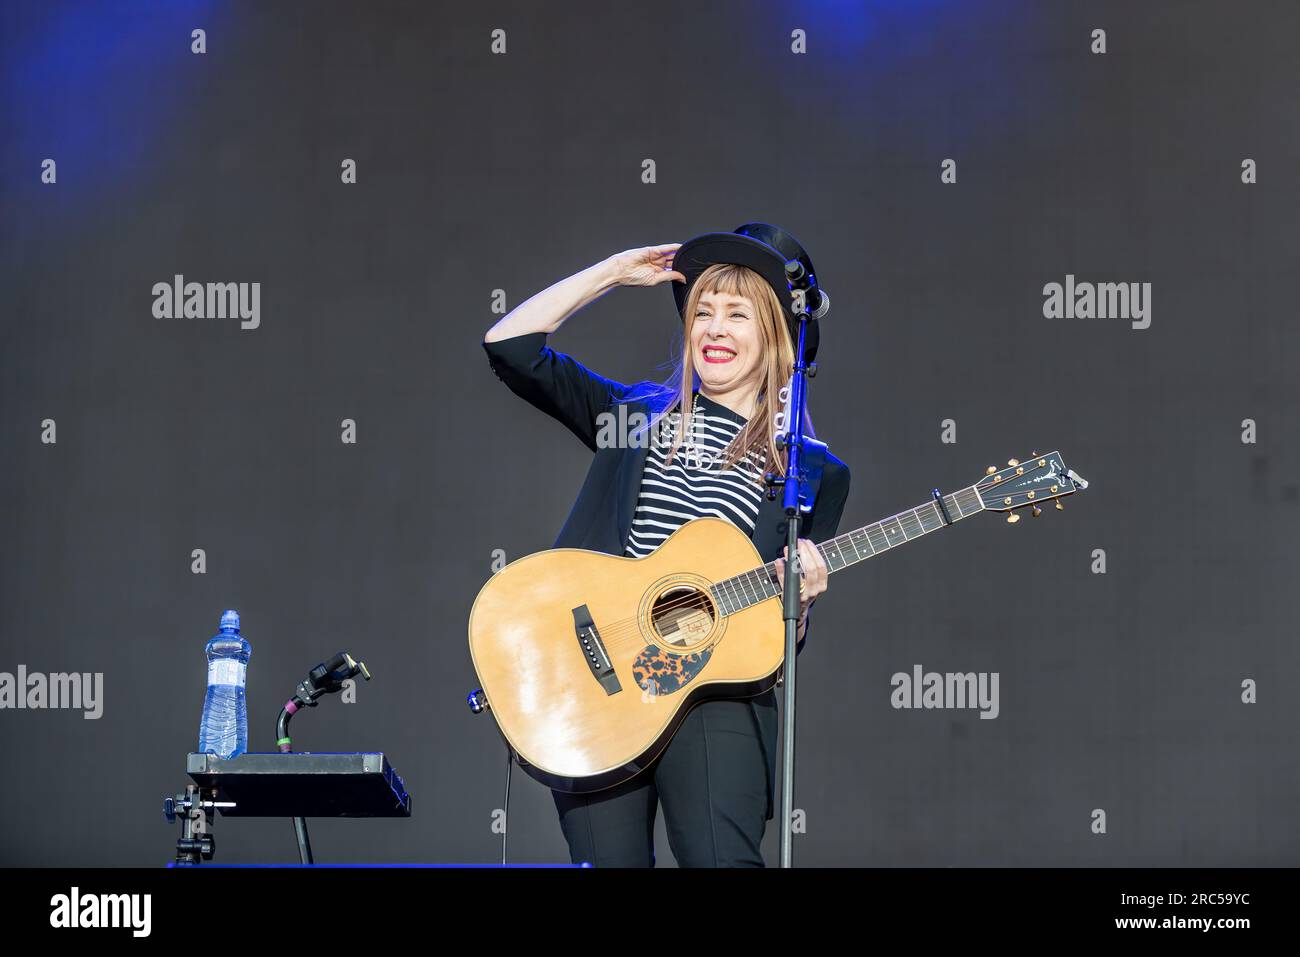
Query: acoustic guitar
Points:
[590, 662]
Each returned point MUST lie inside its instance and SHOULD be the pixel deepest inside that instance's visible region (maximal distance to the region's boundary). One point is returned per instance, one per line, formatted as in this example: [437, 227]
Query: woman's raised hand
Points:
[647, 266]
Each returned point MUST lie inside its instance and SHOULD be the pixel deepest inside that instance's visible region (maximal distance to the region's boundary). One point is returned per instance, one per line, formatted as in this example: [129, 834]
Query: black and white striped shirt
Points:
[694, 485]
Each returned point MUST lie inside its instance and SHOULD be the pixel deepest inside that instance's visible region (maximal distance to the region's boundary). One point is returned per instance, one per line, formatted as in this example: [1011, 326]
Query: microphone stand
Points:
[325, 678]
[793, 484]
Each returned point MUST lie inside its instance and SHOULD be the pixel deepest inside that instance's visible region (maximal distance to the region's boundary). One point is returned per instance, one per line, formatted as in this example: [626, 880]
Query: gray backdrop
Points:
[480, 171]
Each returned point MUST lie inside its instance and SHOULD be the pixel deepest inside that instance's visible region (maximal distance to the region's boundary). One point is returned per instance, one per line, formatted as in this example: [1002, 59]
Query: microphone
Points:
[818, 302]
[328, 677]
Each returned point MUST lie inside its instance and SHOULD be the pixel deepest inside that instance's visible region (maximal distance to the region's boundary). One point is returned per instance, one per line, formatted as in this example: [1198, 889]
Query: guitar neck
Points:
[759, 584]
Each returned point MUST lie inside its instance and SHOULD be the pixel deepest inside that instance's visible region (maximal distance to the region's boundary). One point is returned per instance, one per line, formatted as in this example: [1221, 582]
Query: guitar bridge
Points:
[593, 649]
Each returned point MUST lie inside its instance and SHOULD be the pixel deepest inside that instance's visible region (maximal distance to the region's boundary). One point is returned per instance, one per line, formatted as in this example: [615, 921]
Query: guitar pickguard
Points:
[667, 672]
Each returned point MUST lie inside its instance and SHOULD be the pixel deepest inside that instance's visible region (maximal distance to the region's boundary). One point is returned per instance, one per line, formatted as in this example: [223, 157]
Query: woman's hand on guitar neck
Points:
[815, 575]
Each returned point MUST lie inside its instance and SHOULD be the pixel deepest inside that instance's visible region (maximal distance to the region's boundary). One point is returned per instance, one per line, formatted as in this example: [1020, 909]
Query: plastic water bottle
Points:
[224, 727]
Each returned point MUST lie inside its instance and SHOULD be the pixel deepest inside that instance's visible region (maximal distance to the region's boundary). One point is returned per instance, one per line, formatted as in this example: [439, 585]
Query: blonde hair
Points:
[675, 392]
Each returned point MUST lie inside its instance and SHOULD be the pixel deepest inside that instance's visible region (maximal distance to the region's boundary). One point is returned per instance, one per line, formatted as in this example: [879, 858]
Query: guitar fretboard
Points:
[760, 584]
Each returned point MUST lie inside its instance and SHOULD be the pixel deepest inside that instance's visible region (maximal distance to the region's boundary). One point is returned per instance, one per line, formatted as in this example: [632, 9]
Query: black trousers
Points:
[715, 781]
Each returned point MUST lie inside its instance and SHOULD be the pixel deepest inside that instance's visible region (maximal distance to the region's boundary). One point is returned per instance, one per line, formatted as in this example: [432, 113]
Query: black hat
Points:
[763, 248]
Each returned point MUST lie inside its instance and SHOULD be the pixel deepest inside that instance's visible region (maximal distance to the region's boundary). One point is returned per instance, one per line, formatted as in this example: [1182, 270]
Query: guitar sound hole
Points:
[682, 617]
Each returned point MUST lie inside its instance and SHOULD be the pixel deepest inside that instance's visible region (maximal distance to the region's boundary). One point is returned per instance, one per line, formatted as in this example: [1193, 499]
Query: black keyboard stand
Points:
[297, 785]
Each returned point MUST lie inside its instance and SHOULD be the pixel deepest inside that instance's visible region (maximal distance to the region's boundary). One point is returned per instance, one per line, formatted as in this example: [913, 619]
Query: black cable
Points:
[505, 811]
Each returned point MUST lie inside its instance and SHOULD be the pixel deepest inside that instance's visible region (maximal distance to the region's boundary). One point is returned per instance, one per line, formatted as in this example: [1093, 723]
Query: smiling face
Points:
[727, 347]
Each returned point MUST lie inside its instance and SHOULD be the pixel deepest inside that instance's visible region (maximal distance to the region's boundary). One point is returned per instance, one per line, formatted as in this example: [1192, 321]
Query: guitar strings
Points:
[621, 630]
[627, 632]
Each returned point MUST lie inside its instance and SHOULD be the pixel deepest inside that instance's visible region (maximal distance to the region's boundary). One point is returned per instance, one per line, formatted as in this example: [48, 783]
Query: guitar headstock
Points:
[1028, 484]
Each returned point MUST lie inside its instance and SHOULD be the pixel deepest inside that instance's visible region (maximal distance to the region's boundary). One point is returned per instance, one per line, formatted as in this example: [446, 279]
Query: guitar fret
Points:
[920, 519]
[741, 597]
[717, 598]
[738, 593]
[720, 596]
[932, 518]
[730, 584]
[929, 516]
[876, 535]
[756, 585]
[848, 540]
[844, 540]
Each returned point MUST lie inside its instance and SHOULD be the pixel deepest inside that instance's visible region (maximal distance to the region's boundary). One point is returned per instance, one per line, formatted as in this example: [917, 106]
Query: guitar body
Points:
[584, 715]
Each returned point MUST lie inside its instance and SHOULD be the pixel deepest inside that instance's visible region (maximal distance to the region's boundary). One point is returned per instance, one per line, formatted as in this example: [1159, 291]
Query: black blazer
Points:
[601, 518]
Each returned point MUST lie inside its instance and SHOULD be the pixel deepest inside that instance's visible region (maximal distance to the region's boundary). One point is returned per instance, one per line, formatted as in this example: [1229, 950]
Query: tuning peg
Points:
[1013, 461]
[1012, 518]
[1033, 455]
[1059, 506]
[992, 469]
[1037, 511]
